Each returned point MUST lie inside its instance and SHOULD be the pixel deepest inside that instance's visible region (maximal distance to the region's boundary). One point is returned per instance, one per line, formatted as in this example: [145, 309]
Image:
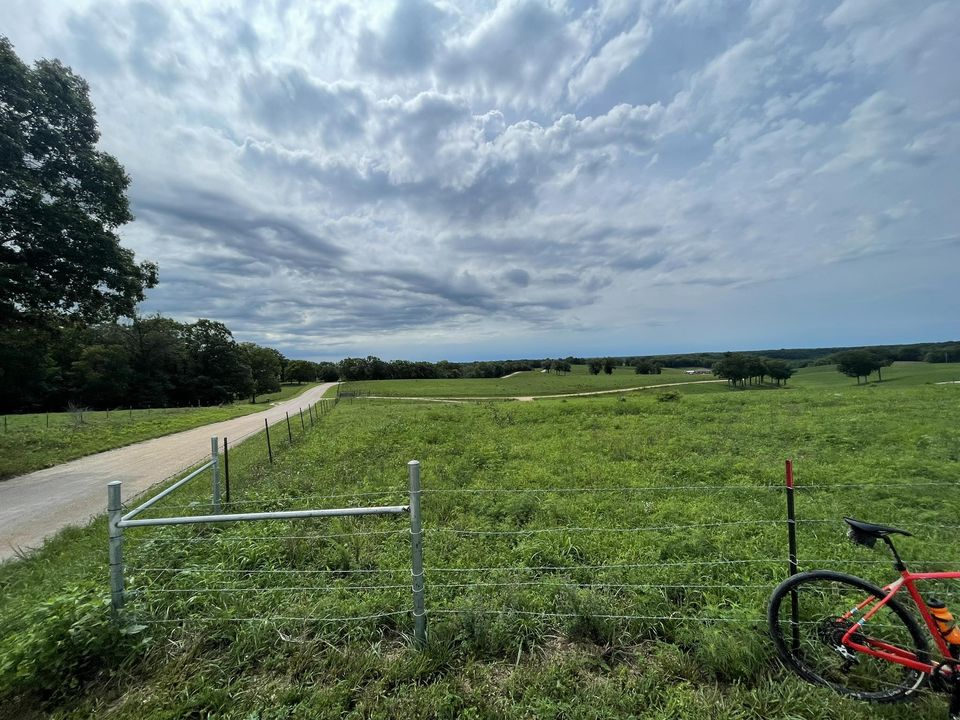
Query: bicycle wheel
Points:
[815, 652]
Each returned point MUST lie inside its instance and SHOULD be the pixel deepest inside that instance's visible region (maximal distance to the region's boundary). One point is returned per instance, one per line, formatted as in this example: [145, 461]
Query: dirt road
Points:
[530, 398]
[37, 505]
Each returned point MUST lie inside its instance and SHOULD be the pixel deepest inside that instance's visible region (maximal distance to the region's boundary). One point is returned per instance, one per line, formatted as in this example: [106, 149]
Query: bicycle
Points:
[843, 632]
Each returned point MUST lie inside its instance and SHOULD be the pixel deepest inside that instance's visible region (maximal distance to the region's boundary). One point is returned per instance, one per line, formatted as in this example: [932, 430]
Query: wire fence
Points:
[359, 575]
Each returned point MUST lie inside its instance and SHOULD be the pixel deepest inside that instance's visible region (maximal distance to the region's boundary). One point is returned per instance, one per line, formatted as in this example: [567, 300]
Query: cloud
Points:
[290, 101]
[408, 41]
[517, 56]
[364, 179]
[613, 58]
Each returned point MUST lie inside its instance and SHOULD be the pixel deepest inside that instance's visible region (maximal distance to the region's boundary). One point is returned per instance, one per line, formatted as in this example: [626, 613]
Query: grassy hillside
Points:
[533, 382]
[542, 521]
[33, 442]
[536, 383]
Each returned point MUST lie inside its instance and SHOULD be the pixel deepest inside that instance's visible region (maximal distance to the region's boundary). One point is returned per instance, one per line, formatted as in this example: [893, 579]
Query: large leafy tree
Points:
[61, 203]
[217, 365]
[265, 366]
[857, 363]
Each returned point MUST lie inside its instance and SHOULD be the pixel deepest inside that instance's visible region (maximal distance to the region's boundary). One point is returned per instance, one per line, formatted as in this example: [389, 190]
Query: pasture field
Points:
[527, 383]
[584, 558]
[900, 374]
[532, 383]
[34, 441]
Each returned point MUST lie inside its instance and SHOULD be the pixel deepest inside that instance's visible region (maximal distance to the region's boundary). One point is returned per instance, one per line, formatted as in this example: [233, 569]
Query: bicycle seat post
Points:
[898, 563]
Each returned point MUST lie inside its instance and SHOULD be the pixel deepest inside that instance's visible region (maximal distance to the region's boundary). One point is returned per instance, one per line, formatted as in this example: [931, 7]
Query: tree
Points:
[608, 366]
[595, 367]
[857, 363]
[158, 358]
[327, 372]
[734, 367]
[216, 366]
[61, 202]
[102, 375]
[264, 364]
[646, 367]
[882, 362]
[779, 370]
[300, 371]
[756, 368]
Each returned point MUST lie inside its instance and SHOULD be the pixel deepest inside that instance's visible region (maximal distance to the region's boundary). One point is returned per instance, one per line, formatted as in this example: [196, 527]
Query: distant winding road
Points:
[35, 506]
[529, 398]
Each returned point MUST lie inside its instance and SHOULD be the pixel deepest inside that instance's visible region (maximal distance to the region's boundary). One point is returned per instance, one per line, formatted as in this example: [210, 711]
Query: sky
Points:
[477, 180]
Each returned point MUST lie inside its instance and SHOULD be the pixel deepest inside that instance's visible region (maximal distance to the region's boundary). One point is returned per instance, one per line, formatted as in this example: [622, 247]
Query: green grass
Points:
[224, 656]
[535, 383]
[901, 374]
[524, 384]
[34, 441]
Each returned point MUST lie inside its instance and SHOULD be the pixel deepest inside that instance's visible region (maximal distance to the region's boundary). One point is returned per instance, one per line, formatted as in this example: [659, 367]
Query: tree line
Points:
[149, 362]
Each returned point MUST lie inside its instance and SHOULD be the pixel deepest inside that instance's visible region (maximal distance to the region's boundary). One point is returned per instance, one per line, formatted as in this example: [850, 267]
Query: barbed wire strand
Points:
[537, 531]
[651, 488]
[537, 613]
[265, 572]
[143, 590]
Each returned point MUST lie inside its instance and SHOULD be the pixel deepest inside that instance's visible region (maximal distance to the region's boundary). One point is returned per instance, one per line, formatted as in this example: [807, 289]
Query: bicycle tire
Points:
[819, 658]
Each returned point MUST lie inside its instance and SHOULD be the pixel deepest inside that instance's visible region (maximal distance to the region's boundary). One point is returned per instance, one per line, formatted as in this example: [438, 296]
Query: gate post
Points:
[215, 469]
[115, 534]
[416, 555]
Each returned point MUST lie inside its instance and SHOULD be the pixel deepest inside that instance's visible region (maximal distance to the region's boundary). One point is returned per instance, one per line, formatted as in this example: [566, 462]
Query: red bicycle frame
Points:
[886, 651]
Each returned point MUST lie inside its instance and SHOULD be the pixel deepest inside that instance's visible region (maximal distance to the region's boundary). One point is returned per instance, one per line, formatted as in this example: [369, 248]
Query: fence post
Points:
[302, 426]
[266, 427]
[792, 549]
[226, 468]
[416, 555]
[115, 534]
[215, 470]
[289, 433]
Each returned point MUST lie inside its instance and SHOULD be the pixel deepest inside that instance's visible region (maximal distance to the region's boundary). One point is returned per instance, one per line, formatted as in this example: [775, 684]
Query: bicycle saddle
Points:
[867, 534]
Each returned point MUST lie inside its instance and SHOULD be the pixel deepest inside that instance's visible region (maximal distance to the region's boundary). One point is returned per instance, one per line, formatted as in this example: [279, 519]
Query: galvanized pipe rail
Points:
[117, 523]
[274, 515]
[163, 493]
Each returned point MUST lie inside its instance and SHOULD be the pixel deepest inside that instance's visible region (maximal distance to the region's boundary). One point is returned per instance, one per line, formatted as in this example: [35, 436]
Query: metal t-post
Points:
[792, 557]
[115, 533]
[215, 469]
[416, 555]
[266, 427]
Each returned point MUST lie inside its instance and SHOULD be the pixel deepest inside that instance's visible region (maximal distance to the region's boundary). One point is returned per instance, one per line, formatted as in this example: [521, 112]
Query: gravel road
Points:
[35, 506]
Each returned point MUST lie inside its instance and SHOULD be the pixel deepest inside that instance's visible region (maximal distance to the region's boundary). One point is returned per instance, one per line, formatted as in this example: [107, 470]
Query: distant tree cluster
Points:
[605, 365]
[862, 363]
[647, 367]
[559, 367]
[741, 369]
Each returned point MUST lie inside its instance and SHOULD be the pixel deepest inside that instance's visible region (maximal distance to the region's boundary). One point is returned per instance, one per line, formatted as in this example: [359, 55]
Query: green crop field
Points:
[33, 441]
[598, 557]
[524, 384]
